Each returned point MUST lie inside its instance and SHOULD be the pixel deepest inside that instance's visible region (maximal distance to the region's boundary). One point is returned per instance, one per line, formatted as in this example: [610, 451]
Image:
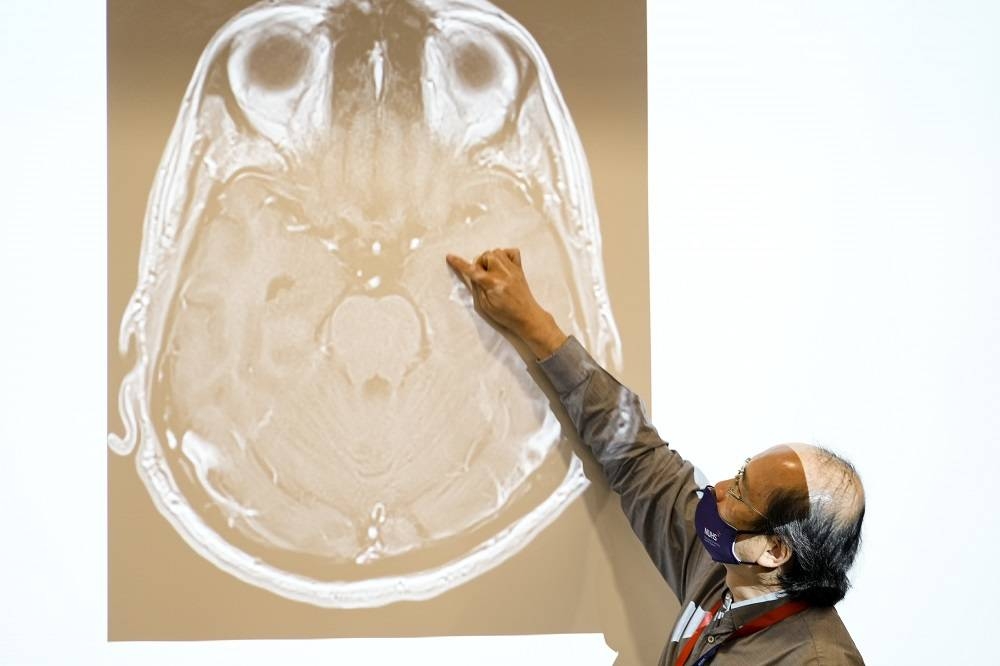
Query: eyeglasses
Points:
[735, 492]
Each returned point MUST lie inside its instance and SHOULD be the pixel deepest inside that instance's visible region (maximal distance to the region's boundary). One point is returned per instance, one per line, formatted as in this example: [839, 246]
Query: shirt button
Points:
[711, 639]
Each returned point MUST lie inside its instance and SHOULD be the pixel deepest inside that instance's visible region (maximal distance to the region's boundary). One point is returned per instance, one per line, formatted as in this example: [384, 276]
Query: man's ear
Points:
[776, 554]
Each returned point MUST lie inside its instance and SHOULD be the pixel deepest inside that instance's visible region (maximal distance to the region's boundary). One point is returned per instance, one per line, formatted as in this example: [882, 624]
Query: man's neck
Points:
[746, 582]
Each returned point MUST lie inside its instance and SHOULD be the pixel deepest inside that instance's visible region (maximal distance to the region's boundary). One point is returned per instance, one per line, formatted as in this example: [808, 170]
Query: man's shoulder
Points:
[830, 640]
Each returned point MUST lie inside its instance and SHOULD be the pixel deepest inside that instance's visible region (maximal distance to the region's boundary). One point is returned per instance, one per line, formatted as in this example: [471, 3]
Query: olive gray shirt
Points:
[659, 495]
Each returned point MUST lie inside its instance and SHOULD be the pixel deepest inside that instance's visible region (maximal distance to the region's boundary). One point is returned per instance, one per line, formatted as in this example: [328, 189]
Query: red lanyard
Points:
[773, 616]
[689, 646]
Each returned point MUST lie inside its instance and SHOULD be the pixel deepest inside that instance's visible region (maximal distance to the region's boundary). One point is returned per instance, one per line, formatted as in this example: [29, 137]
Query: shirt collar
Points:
[729, 604]
[734, 613]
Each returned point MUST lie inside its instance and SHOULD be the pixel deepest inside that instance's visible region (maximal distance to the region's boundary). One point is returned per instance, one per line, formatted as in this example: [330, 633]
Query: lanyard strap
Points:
[773, 616]
[689, 646]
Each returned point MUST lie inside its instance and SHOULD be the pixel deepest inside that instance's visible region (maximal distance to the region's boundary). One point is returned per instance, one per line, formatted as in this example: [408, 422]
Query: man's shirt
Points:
[659, 495]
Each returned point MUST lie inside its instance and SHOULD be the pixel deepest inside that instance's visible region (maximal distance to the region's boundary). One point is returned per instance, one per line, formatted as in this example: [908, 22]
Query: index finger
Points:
[468, 270]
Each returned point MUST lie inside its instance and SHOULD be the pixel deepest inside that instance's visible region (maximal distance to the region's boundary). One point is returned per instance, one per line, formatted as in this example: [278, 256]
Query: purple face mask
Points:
[718, 536]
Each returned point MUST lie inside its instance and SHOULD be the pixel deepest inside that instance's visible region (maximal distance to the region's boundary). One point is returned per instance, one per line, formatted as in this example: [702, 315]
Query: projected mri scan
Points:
[315, 406]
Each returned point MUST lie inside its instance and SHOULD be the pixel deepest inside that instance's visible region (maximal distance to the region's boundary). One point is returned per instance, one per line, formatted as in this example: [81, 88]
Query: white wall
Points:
[824, 243]
[825, 266]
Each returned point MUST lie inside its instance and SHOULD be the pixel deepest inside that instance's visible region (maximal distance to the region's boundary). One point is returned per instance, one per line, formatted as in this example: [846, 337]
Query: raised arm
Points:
[656, 485]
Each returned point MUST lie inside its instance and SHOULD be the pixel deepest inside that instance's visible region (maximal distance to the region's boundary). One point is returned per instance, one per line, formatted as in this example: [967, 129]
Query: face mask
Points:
[718, 536]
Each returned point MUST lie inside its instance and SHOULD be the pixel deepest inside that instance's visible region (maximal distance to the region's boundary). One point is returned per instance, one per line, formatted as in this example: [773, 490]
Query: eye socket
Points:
[277, 61]
[476, 68]
[471, 83]
[272, 63]
[276, 77]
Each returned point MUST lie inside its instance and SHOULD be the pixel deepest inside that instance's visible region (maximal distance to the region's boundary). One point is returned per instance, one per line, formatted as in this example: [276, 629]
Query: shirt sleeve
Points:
[656, 485]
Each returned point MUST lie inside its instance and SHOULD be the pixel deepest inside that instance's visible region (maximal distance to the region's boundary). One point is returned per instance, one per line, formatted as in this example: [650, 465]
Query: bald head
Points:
[832, 483]
[817, 512]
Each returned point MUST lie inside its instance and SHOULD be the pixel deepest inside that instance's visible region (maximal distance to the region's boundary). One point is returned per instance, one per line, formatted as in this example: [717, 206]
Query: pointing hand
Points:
[501, 293]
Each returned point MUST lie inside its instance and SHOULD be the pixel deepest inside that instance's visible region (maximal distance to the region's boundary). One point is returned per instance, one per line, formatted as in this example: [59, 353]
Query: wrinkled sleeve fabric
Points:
[656, 485]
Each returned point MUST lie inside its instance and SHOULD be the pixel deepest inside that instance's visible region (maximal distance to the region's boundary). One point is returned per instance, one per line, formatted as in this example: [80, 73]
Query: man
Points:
[758, 560]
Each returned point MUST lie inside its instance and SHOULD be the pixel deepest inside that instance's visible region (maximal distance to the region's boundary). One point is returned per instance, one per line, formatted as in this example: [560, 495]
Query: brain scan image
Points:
[315, 405]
